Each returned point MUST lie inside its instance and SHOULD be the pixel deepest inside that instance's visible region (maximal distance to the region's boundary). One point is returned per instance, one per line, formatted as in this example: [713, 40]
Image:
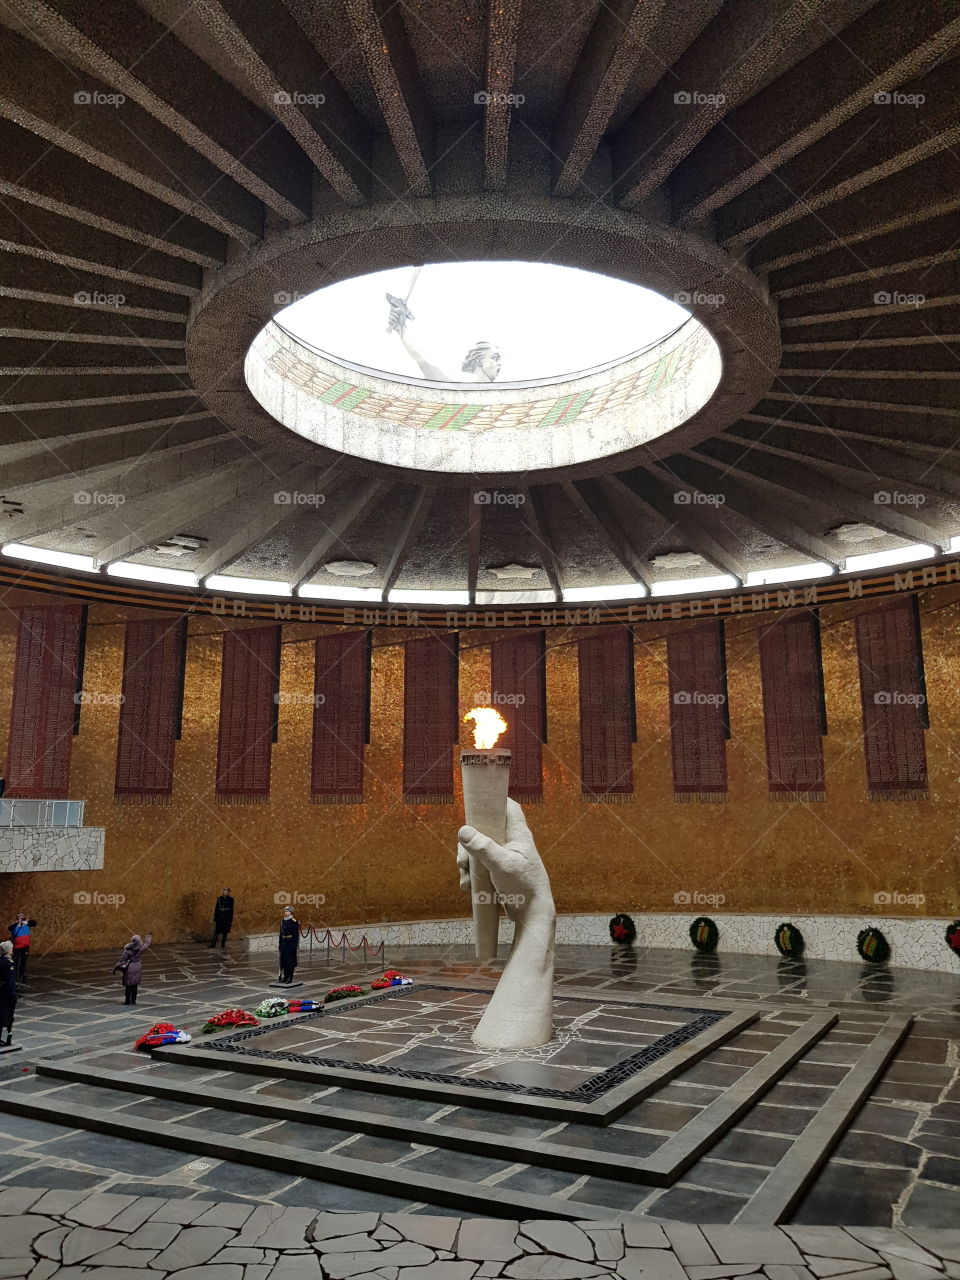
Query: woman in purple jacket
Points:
[130, 966]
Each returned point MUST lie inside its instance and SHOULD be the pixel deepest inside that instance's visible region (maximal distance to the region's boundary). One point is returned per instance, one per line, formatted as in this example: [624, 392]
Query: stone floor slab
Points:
[752, 1244]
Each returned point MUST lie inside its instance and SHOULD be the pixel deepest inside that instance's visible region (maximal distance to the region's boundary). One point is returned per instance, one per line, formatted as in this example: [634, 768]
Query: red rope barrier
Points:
[363, 944]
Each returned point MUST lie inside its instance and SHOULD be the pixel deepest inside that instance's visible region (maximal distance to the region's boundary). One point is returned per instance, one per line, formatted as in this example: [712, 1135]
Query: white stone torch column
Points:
[486, 778]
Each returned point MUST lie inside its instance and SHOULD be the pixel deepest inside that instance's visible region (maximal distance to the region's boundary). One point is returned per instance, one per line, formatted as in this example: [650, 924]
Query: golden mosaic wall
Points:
[388, 861]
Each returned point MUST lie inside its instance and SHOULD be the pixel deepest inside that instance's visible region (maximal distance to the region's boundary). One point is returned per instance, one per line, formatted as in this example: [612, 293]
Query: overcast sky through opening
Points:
[546, 320]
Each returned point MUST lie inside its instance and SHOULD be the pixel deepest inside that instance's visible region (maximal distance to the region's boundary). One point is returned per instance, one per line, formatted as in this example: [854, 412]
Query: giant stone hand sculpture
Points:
[519, 1014]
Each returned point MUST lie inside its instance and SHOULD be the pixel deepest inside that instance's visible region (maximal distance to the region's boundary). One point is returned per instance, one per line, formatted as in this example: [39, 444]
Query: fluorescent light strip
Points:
[247, 586]
[692, 586]
[790, 573]
[149, 573]
[404, 596]
[619, 591]
[899, 555]
[42, 555]
[538, 595]
[319, 591]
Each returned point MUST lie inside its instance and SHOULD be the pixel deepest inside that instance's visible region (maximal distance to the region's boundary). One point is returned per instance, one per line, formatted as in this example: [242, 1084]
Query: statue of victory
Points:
[482, 360]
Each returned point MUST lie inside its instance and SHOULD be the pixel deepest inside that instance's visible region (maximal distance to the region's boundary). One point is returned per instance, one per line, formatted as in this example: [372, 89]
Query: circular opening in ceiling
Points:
[654, 367]
[482, 324]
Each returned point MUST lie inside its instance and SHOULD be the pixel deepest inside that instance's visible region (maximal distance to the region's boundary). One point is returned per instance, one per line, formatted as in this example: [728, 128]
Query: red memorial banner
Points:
[794, 715]
[249, 685]
[46, 700]
[430, 719]
[519, 691]
[893, 697]
[341, 717]
[153, 666]
[699, 724]
[607, 716]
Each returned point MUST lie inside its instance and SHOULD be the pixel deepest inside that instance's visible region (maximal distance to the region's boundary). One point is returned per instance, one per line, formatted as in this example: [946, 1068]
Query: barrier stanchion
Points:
[343, 944]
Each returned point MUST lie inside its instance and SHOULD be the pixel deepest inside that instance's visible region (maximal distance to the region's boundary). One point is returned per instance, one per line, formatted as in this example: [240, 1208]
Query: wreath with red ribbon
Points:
[229, 1018]
[342, 993]
[622, 930]
[391, 978]
[952, 936]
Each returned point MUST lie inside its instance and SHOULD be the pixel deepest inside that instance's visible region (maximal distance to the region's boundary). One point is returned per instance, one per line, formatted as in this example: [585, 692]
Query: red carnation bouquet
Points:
[342, 993]
[229, 1018]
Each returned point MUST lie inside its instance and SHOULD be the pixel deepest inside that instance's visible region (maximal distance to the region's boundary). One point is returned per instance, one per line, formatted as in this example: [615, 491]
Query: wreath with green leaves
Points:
[789, 940]
[704, 934]
[952, 936]
[622, 930]
[873, 946]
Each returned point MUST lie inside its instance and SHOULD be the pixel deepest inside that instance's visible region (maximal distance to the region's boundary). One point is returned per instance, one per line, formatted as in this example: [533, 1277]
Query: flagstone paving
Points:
[897, 1165]
[46, 1233]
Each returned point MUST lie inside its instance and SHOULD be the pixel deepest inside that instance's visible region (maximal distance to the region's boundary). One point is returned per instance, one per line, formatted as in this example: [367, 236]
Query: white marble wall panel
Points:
[915, 943]
[51, 849]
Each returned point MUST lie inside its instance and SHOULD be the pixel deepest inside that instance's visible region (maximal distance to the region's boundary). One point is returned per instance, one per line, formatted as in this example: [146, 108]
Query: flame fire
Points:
[488, 724]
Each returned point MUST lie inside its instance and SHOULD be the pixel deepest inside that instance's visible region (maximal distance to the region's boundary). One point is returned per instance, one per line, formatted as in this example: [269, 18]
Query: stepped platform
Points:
[742, 1093]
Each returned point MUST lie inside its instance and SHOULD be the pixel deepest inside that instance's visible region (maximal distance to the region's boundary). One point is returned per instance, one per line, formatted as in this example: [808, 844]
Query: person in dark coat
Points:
[8, 990]
[130, 966]
[20, 934]
[289, 942]
[222, 919]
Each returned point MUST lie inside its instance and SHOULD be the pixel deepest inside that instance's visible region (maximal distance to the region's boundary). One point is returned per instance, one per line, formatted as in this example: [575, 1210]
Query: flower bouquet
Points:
[162, 1033]
[229, 1018]
[391, 978]
[272, 1007]
[342, 993]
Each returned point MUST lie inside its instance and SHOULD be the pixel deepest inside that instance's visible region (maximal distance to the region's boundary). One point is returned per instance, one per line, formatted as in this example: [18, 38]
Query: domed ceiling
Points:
[175, 174]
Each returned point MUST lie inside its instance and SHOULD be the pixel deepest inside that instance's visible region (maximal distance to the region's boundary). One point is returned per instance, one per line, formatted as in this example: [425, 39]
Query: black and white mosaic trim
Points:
[593, 1087]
